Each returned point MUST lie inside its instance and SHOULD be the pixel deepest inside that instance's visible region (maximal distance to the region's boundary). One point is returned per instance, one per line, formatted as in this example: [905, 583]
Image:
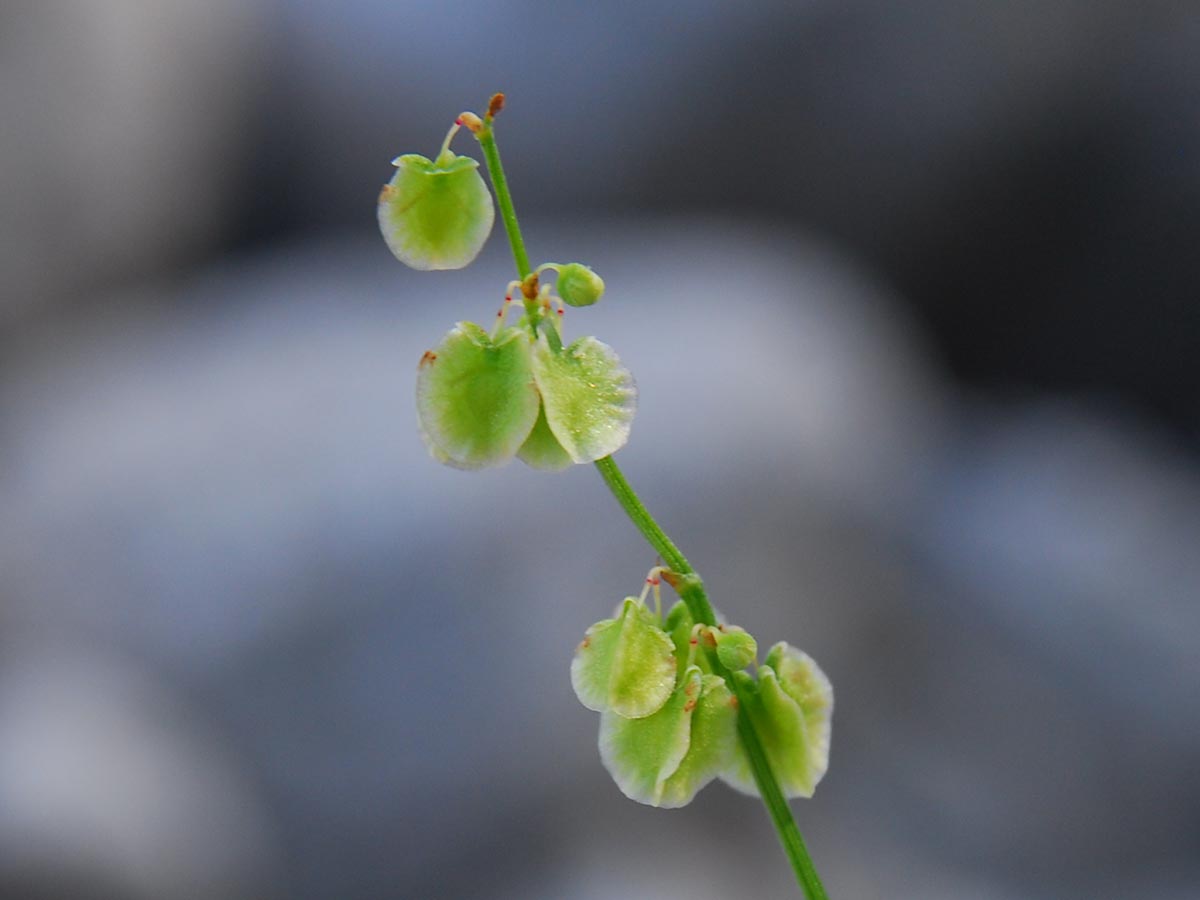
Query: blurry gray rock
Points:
[111, 788]
[232, 490]
[121, 126]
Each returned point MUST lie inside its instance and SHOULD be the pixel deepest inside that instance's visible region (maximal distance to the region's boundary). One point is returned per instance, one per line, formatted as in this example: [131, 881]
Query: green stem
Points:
[691, 590]
[689, 586]
[487, 142]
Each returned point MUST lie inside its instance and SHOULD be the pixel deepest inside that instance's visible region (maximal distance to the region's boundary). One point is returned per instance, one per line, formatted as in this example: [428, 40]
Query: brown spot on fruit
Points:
[689, 706]
[428, 359]
[385, 193]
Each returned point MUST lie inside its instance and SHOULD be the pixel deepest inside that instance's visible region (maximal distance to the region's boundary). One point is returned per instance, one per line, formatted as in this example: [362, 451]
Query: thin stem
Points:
[487, 142]
[446, 143]
[640, 516]
[688, 584]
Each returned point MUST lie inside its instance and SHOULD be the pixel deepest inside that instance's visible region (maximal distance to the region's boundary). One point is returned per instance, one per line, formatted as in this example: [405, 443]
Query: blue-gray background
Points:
[912, 293]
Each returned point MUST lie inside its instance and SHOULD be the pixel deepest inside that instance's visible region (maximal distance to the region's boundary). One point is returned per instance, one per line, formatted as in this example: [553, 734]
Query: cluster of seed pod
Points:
[484, 397]
[668, 722]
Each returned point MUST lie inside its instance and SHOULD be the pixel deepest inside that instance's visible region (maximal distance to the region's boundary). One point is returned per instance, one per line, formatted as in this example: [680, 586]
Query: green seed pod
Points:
[435, 214]
[641, 754]
[476, 401]
[589, 397]
[711, 748]
[735, 647]
[625, 665]
[541, 449]
[678, 624]
[796, 761]
[578, 285]
[802, 680]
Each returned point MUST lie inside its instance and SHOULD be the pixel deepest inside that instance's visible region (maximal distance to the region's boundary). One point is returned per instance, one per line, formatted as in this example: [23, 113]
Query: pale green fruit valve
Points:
[436, 214]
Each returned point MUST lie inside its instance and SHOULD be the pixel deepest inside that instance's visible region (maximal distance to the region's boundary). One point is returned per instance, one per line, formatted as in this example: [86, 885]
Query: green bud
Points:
[625, 665]
[588, 396]
[578, 285]
[678, 625]
[735, 647]
[476, 401]
[797, 761]
[435, 214]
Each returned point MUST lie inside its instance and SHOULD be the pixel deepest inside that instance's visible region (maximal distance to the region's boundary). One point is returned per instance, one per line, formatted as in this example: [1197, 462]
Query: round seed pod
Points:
[802, 680]
[435, 214]
[578, 285]
[711, 747]
[625, 665]
[542, 450]
[589, 397]
[642, 754]
[797, 759]
[476, 401]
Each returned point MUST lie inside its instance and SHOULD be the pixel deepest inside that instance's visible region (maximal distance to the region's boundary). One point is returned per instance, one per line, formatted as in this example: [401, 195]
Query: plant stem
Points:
[689, 587]
[491, 154]
[691, 590]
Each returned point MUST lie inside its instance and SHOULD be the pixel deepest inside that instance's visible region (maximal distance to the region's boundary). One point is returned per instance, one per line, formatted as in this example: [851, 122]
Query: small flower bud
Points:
[735, 647]
[578, 285]
[435, 214]
[470, 121]
[625, 665]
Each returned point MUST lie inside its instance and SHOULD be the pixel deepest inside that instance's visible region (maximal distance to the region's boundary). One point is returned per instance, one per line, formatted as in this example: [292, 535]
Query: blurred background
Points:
[911, 294]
